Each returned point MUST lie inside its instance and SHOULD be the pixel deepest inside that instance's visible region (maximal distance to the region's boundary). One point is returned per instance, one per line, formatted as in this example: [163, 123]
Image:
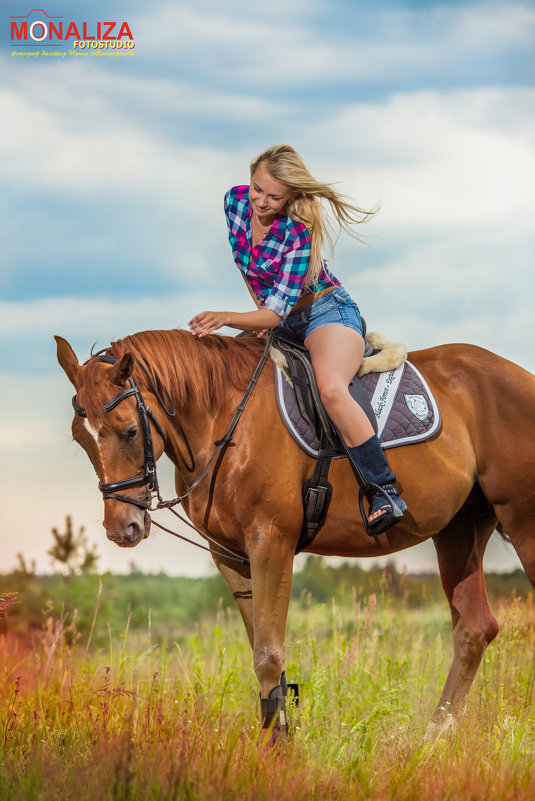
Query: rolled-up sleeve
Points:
[291, 275]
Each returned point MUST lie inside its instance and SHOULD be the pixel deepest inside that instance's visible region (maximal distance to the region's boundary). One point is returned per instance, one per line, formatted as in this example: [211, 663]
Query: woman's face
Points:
[267, 195]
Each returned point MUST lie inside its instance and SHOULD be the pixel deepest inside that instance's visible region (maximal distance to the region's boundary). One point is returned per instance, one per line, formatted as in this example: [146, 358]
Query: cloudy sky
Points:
[113, 171]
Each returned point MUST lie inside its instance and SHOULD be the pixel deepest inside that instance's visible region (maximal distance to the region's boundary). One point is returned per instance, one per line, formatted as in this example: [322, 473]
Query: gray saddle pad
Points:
[403, 404]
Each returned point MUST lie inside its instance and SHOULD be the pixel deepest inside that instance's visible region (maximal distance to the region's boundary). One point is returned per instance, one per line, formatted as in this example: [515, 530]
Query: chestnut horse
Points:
[250, 499]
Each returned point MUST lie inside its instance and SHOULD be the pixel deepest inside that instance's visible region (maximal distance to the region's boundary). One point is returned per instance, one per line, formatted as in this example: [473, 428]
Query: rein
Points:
[149, 476]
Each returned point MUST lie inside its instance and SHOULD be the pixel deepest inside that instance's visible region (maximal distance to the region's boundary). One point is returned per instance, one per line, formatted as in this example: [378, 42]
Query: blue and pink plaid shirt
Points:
[276, 268]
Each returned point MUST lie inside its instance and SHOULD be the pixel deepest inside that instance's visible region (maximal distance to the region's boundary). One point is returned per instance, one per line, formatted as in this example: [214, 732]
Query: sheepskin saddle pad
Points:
[390, 389]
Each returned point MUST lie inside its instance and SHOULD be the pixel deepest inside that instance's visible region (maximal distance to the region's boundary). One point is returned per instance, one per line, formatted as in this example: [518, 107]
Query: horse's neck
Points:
[197, 425]
[192, 434]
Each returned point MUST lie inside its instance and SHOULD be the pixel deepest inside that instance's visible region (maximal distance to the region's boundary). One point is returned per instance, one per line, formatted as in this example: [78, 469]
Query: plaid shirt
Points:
[276, 268]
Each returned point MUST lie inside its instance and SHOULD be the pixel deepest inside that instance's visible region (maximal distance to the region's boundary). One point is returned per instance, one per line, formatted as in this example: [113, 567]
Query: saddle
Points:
[317, 491]
[299, 373]
[396, 400]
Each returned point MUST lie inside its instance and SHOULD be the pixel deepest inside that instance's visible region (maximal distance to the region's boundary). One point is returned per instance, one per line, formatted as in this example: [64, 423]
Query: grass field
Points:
[135, 720]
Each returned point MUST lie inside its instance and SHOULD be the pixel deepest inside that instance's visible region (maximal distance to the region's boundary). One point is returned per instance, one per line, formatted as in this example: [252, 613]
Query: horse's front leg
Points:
[271, 571]
[237, 577]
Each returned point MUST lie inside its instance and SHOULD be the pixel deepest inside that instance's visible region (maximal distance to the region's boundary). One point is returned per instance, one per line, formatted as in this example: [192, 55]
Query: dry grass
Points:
[138, 722]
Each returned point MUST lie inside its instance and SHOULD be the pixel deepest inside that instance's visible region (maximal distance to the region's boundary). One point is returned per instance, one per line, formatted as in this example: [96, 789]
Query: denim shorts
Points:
[336, 307]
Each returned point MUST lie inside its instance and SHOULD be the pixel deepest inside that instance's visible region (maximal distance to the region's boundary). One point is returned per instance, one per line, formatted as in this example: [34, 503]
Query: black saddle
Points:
[301, 375]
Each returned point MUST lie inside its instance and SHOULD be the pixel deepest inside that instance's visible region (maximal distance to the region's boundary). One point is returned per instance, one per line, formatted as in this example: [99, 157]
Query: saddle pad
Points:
[403, 404]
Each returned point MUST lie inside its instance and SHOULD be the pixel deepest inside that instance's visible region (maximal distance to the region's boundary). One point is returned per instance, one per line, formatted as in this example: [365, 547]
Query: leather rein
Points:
[149, 477]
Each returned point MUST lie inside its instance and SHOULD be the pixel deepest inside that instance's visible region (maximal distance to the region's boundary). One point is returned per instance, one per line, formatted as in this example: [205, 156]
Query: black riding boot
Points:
[384, 512]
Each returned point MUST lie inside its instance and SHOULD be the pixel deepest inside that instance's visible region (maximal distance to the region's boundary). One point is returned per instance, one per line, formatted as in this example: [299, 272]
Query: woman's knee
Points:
[331, 390]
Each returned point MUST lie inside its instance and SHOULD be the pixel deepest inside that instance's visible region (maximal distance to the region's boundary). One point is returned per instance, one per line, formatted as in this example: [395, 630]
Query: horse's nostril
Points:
[126, 536]
[133, 531]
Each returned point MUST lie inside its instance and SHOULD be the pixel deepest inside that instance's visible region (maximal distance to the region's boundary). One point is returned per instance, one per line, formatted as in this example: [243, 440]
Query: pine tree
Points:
[73, 551]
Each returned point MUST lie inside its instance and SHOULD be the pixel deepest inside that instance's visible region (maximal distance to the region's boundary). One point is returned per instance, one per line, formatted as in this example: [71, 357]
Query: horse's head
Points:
[112, 429]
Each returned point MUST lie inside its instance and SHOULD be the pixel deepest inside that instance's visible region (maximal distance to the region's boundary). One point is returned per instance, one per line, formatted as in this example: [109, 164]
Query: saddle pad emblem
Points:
[417, 405]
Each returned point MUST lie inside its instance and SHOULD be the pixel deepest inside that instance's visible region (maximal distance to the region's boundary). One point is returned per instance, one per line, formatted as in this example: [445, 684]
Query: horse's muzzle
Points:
[131, 534]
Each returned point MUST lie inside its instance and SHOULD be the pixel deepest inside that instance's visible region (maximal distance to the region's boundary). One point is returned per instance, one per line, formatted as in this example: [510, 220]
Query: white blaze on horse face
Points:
[93, 432]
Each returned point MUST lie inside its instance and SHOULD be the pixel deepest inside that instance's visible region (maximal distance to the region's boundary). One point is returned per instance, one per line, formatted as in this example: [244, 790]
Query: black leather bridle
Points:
[149, 476]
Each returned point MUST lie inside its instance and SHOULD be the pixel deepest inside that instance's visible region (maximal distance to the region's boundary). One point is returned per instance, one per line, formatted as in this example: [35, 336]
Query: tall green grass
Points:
[134, 721]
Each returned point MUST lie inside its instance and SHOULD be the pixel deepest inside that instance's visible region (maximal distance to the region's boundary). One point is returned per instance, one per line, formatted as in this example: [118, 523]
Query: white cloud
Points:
[454, 173]
[165, 194]
[112, 158]
[448, 40]
[437, 159]
[104, 319]
[452, 293]
[377, 45]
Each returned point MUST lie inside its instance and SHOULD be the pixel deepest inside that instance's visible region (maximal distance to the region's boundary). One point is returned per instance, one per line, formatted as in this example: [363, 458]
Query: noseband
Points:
[149, 477]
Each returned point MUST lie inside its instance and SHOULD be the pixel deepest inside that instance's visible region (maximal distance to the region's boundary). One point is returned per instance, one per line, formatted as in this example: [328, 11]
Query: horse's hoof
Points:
[271, 737]
[438, 728]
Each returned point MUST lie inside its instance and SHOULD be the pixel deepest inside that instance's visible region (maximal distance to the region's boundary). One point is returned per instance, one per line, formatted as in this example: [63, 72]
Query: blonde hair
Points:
[287, 166]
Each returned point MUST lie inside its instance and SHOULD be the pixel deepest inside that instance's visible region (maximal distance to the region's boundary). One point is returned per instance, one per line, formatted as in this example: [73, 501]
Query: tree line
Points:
[174, 604]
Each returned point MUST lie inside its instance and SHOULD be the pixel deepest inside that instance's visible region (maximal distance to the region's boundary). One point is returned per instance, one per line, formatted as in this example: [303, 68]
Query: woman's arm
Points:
[209, 321]
[206, 322]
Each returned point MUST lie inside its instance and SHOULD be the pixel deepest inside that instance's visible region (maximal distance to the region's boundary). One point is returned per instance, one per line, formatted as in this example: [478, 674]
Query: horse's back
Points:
[457, 367]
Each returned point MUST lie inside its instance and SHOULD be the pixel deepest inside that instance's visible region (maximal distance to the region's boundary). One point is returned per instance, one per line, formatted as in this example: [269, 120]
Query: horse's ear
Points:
[69, 362]
[122, 370]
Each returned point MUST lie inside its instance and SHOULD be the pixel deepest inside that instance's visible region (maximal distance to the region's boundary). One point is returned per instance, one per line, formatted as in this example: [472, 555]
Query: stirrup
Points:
[392, 515]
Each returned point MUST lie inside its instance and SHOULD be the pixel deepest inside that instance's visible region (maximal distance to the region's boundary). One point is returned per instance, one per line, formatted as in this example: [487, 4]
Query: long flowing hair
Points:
[287, 166]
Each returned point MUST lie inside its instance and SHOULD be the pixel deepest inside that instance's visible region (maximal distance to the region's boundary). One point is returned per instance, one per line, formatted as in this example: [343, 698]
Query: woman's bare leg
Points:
[336, 353]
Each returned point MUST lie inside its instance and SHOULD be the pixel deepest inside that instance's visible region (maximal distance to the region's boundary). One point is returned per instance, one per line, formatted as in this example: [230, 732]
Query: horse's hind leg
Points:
[460, 548]
[520, 529]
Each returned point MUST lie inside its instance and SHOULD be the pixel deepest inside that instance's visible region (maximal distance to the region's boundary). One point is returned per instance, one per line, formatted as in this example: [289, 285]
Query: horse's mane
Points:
[195, 371]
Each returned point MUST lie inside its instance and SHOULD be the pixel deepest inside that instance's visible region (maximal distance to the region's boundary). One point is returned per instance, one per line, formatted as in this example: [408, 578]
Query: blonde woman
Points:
[277, 231]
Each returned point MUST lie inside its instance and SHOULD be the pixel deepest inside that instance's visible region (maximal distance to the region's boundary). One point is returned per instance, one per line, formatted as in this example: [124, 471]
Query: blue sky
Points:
[113, 172]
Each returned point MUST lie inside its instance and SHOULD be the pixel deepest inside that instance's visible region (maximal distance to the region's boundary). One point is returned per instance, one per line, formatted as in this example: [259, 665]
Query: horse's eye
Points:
[131, 434]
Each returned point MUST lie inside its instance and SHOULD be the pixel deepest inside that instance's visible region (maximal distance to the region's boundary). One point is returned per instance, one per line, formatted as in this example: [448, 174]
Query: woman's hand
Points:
[208, 321]
[257, 321]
